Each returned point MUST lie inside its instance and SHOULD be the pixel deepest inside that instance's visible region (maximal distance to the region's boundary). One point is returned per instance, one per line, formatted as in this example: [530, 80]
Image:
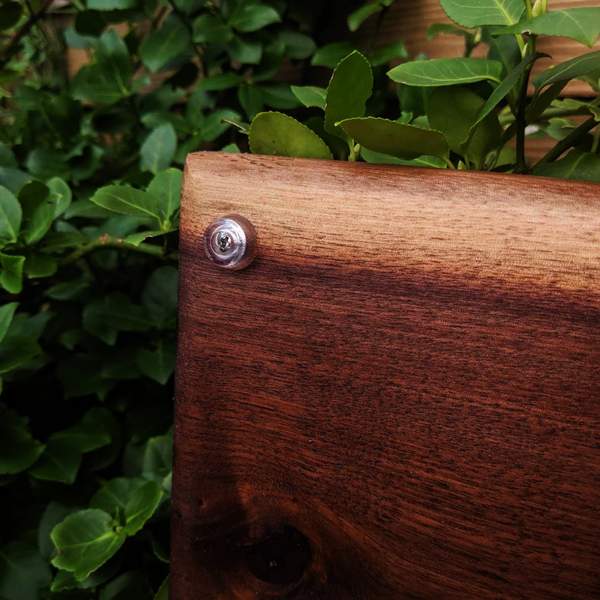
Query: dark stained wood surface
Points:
[400, 397]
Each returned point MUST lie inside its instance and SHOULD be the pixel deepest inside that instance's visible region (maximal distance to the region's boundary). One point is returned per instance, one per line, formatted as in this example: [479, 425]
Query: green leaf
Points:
[159, 296]
[59, 462]
[114, 312]
[331, 55]
[385, 54]
[141, 506]
[11, 278]
[568, 70]
[53, 515]
[360, 15]
[436, 29]
[158, 364]
[23, 572]
[251, 99]
[310, 95]
[89, 434]
[41, 218]
[93, 83]
[85, 541]
[18, 449]
[454, 111]
[112, 55]
[158, 150]
[245, 49]
[62, 195]
[220, 82]
[128, 201]
[474, 13]
[135, 239]
[584, 166]
[114, 496]
[503, 48]
[158, 457]
[214, 125]
[507, 84]
[298, 46]
[7, 157]
[111, 4]
[15, 351]
[166, 188]
[165, 44]
[10, 13]
[580, 24]
[253, 17]
[276, 134]
[212, 29]
[396, 139]
[423, 161]
[163, 591]
[348, 91]
[6, 316]
[278, 95]
[132, 585]
[446, 71]
[39, 265]
[10, 217]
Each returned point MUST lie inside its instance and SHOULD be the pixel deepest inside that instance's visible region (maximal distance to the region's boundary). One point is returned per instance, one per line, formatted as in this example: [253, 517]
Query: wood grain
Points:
[400, 397]
[408, 20]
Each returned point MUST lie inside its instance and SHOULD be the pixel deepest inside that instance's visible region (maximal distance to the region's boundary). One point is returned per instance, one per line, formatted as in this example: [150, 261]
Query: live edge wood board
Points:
[400, 397]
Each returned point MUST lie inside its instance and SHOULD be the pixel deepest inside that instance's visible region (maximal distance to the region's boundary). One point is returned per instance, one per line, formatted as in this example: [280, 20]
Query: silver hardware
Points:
[230, 242]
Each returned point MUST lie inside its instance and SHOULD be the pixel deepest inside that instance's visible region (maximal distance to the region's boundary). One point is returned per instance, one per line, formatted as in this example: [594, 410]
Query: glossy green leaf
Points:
[251, 99]
[310, 95]
[436, 29]
[114, 496]
[165, 44]
[158, 457]
[580, 24]
[423, 161]
[331, 55]
[6, 316]
[220, 82]
[253, 17]
[503, 48]
[62, 195]
[474, 13]
[298, 46]
[40, 219]
[141, 506]
[384, 54]
[18, 449]
[446, 71]
[276, 134]
[93, 83]
[111, 4]
[60, 461]
[216, 124]
[360, 15]
[89, 434]
[584, 166]
[454, 111]
[128, 201]
[212, 29]
[396, 139]
[350, 87]
[38, 265]
[166, 188]
[568, 70]
[163, 591]
[85, 541]
[23, 571]
[158, 364]
[10, 217]
[135, 239]
[245, 49]
[158, 149]
[159, 296]
[11, 277]
[54, 513]
[112, 55]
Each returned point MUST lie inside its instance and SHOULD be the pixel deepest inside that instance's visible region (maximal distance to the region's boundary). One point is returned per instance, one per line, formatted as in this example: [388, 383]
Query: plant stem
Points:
[375, 33]
[568, 142]
[521, 118]
[549, 113]
[109, 241]
[33, 19]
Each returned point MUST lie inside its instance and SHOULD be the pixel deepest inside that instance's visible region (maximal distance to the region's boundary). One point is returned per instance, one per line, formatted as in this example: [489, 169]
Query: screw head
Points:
[230, 242]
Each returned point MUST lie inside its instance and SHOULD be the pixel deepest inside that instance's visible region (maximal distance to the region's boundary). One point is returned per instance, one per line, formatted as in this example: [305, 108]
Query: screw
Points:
[230, 242]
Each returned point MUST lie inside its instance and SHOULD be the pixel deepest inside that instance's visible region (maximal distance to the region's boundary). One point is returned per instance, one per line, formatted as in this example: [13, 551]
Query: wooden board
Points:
[408, 20]
[400, 397]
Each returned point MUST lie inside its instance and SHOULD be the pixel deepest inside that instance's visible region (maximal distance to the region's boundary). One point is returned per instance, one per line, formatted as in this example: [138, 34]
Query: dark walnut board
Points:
[400, 397]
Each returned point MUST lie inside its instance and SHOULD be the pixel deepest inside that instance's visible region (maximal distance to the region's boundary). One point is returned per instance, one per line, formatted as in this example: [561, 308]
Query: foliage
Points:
[90, 180]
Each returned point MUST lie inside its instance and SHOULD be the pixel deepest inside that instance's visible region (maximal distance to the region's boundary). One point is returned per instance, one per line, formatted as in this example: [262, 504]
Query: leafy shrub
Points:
[90, 178]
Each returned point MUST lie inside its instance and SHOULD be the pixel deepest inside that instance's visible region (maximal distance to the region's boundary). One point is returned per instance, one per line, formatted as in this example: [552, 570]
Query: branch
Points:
[33, 19]
[109, 241]
[568, 142]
